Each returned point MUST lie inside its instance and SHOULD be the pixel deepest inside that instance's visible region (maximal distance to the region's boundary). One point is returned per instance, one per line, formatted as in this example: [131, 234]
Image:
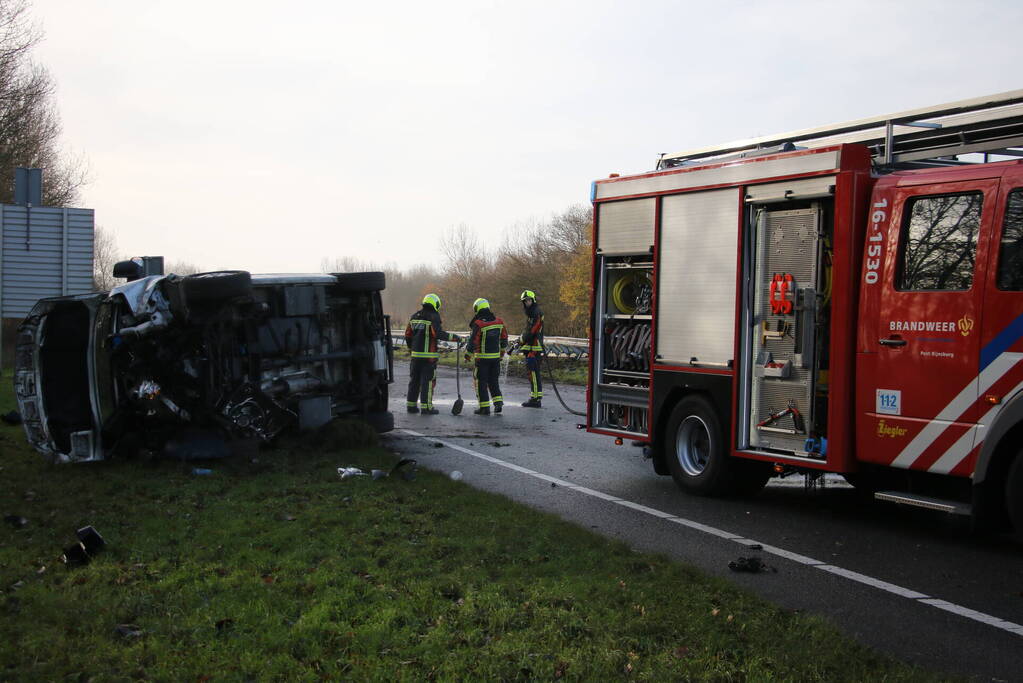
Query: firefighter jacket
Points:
[423, 331]
[532, 336]
[488, 337]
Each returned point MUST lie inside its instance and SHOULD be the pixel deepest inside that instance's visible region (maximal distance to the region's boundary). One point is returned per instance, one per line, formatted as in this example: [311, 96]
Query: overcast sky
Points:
[268, 136]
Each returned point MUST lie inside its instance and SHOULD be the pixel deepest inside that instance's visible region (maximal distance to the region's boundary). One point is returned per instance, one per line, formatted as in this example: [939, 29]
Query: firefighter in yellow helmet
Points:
[488, 340]
[422, 333]
[531, 344]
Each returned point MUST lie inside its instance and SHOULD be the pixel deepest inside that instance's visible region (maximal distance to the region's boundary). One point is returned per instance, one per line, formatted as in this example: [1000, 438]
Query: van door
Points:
[925, 385]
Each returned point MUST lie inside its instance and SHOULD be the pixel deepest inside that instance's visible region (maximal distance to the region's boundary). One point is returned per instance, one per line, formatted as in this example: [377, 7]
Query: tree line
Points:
[30, 126]
[550, 257]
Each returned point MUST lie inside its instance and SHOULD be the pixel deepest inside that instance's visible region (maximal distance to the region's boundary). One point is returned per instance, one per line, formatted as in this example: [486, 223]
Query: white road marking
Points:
[907, 593]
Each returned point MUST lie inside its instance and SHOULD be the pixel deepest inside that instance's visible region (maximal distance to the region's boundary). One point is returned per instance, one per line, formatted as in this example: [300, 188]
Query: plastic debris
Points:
[455, 475]
[201, 471]
[128, 631]
[349, 472]
[16, 521]
[406, 467]
[89, 543]
[91, 540]
[752, 565]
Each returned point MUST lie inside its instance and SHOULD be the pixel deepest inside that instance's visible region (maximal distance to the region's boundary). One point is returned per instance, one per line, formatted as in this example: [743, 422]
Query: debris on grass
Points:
[752, 565]
[406, 468]
[349, 472]
[16, 521]
[75, 555]
[201, 471]
[89, 543]
[128, 631]
[90, 539]
[455, 475]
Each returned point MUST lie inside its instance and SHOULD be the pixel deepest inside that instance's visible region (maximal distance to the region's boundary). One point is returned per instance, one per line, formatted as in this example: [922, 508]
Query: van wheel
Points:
[360, 282]
[1014, 495]
[216, 286]
[695, 448]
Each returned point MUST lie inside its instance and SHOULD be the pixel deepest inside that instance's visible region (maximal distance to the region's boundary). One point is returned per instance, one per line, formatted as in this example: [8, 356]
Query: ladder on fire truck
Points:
[932, 136]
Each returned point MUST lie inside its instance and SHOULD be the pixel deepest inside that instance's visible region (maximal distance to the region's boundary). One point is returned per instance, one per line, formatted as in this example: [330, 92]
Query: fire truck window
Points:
[1010, 254]
[939, 242]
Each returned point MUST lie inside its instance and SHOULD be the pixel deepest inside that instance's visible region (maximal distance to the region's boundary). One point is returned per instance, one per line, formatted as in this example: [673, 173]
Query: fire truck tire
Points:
[1014, 494]
[216, 286]
[696, 449]
[360, 282]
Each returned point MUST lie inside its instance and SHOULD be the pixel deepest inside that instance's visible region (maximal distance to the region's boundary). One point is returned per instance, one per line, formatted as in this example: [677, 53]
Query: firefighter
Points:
[487, 342]
[531, 344]
[423, 331]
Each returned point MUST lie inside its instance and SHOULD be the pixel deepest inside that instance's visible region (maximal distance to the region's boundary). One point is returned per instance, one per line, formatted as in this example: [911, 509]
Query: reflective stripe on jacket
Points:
[422, 332]
[488, 337]
[532, 337]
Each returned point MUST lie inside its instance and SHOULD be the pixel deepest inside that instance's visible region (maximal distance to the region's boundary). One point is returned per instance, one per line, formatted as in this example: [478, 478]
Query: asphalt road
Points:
[917, 585]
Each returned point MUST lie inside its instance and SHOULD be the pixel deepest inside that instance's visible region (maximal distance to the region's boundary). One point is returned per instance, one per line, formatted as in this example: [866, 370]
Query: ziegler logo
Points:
[965, 325]
[884, 429]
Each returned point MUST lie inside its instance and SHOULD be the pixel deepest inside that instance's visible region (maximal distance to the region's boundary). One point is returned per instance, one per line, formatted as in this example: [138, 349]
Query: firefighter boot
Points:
[482, 411]
[430, 411]
[498, 406]
[412, 409]
[532, 403]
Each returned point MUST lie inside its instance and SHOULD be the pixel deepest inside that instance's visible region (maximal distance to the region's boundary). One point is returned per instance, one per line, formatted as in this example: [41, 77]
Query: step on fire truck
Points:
[844, 299]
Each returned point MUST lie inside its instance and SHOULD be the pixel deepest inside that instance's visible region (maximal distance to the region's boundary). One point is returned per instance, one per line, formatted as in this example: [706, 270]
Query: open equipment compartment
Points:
[625, 307]
[623, 329]
[786, 312]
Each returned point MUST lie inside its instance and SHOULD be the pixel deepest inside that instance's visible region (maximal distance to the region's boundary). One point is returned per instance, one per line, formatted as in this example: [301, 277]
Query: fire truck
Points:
[844, 299]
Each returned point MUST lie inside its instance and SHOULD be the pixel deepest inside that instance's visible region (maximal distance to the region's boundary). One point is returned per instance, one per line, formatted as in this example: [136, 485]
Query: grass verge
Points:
[277, 569]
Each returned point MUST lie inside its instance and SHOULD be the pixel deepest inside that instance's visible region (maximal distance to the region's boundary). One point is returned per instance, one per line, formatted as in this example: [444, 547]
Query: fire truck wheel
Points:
[1014, 494]
[695, 449]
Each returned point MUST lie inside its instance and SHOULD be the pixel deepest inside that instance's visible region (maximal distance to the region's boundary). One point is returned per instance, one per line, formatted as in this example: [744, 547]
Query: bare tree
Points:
[181, 268]
[30, 125]
[105, 254]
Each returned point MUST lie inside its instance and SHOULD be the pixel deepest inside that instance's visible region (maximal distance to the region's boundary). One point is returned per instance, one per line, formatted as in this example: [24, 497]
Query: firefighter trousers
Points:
[486, 380]
[422, 380]
[533, 368]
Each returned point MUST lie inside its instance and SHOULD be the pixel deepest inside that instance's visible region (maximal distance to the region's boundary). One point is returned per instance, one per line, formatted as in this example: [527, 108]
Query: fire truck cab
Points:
[845, 299]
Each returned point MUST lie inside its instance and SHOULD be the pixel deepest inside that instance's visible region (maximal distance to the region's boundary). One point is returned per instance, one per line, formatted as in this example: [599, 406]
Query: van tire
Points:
[218, 285]
[360, 282]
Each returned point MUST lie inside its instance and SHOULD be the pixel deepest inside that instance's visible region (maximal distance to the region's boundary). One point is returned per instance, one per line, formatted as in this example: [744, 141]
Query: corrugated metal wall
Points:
[44, 252]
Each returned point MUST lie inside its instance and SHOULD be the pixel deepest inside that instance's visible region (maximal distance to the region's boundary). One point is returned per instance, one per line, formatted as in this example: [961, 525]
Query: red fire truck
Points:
[845, 299]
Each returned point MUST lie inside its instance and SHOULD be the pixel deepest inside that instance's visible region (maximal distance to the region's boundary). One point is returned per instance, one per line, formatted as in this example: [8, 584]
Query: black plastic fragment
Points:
[75, 555]
[91, 540]
[753, 565]
[16, 521]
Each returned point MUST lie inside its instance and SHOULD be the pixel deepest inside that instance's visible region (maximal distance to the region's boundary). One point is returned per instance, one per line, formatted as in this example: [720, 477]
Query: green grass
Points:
[277, 569]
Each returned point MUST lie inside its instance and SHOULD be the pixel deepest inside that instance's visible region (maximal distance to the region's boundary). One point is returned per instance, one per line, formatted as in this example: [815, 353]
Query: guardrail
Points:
[556, 347]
